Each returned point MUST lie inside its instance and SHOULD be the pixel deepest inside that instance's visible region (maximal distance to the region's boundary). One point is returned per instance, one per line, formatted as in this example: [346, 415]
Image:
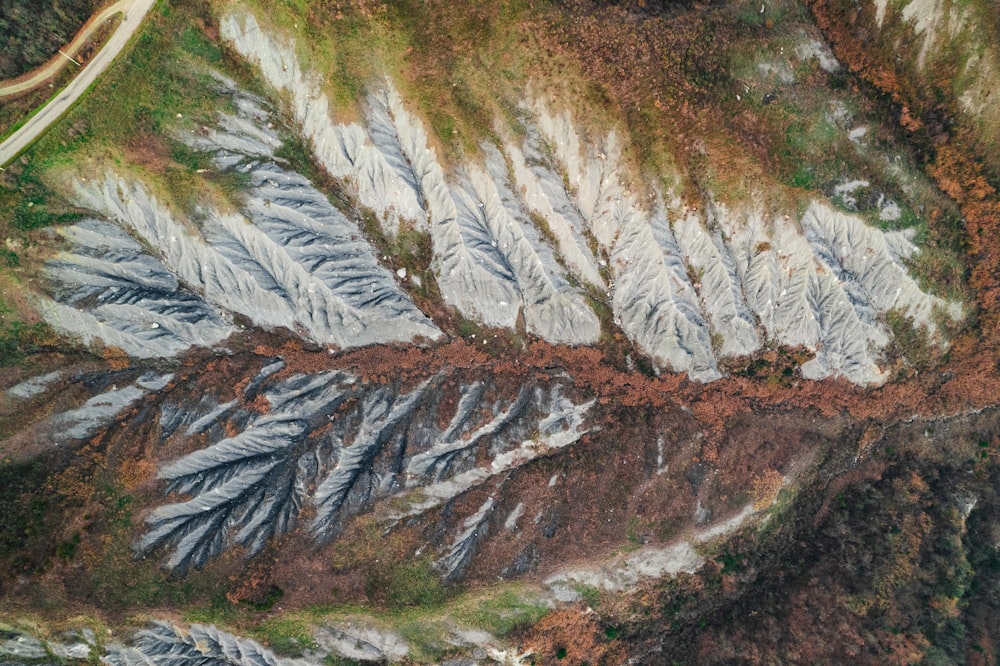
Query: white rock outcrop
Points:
[513, 232]
[825, 282]
[491, 263]
[339, 446]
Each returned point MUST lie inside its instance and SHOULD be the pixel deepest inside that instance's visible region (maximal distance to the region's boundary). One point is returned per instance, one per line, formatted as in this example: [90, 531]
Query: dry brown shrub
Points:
[571, 636]
[117, 358]
[765, 487]
[133, 473]
[253, 584]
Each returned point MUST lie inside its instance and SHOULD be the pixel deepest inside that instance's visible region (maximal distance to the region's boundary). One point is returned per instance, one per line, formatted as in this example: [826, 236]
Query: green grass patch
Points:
[589, 594]
[426, 627]
[912, 342]
[413, 583]
[20, 339]
[501, 612]
[115, 579]
[193, 41]
[286, 635]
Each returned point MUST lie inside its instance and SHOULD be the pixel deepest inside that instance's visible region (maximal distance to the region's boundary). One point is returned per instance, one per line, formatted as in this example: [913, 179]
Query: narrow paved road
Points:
[134, 12]
[59, 62]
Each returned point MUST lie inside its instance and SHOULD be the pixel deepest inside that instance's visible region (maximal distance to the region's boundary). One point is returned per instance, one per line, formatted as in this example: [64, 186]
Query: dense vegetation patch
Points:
[33, 30]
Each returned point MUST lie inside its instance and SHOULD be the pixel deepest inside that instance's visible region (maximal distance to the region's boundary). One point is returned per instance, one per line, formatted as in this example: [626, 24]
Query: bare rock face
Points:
[330, 442]
[719, 287]
[297, 262]
[274, 382]
[687, 287]
[166, 644]
[826, 283]
[169, 644]
[374, 161]
[100, 410]
[491, 261]
[362, 643]
[292, 260]
[108, 288]
[17, 647]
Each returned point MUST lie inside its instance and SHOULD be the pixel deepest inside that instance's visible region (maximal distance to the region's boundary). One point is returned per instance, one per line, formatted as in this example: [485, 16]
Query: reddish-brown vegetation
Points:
[572, 636]
[958, 174]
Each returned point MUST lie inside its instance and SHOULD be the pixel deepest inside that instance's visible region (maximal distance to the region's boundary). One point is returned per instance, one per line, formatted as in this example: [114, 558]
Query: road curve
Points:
[60, 61]
[134, 12]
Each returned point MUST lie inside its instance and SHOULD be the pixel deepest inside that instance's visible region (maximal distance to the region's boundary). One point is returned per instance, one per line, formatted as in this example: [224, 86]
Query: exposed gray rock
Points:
[364, 643]
[121, 655]
[371, 163]
[868, 262]
[719, 287]
[811, 48]
[100, 410]
[342, 446]
[247, 133]
[34, 386]
[108, 288]
[298, 263]
[166, 644]
[651, 295]
[203, 423]
[17, 647]
[826, 286]
[255, 481]
[303, 247]
[185, 252]
[542, 192]
[653, 299]
[254, 384]
[453, 563]
[456, 441]
[473, 275]
[491, 262]
[23, 647]
[559, 426]
[553, 309]
[301, 263]
[402, 141]
[625, 572]
[70, 650]
[510, 522]
[381, 412]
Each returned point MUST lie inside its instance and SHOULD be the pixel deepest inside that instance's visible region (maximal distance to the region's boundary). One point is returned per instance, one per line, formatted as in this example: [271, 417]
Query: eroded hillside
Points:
[517, 333]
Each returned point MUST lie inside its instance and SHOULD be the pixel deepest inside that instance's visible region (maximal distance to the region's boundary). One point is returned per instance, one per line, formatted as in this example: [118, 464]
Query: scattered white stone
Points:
[34, 386]
[814, 48]
[24, 647]
[890, 211]
[511, 521]
[845, 191]
[363, 642]
[625, 572]
[857, 134]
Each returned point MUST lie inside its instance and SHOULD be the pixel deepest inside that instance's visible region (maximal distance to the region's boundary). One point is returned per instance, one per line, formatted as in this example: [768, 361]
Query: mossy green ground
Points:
[426, 627]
